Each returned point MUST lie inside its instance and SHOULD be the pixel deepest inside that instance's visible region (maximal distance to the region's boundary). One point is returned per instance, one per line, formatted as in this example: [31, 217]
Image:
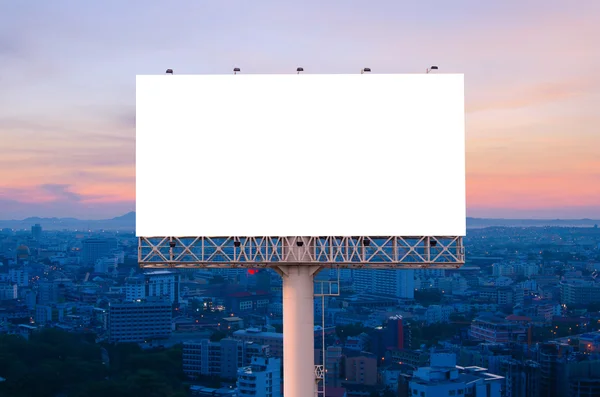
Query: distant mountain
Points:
[127, 223]
[475, 223]
[128, 217]
[120, 223]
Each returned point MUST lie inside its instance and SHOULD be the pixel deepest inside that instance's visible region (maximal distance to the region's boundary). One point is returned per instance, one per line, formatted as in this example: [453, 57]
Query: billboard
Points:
[300, 155]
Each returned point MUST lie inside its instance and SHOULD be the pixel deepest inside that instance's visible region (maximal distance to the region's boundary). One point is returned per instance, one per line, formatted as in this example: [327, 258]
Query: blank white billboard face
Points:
[300, 155]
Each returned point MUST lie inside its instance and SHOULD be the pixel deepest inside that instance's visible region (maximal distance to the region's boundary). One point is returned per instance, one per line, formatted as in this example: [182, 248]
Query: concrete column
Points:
[298, 330]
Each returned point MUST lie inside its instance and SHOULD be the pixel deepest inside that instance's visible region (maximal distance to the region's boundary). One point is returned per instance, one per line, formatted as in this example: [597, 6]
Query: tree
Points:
[388, 393]
[53, 362]
[346, 331]
[217, 279]
[428, 297]
[217, 336]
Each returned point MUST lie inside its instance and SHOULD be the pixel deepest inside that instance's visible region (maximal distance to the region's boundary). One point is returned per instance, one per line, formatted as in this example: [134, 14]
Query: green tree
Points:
[217, 336]
[346, 331]
[53, 362]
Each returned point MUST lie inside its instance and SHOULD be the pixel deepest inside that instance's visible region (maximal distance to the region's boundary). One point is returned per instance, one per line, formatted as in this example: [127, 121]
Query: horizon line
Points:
[467, 217]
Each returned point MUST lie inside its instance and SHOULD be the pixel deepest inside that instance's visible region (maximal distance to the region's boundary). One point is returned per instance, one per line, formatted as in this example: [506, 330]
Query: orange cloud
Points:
[527, 96]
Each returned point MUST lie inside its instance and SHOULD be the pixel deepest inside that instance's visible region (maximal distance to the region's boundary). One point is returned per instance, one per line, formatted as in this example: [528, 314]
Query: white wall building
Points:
[223, 358]
[438, 314]
[19, 276]
[135, 288]
[444, 378]
[163, 283]
[106, 265]
[262, 378]
[8, 291]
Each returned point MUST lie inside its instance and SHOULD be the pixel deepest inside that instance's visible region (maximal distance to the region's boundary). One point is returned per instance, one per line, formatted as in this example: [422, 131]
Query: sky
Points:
[68, 67]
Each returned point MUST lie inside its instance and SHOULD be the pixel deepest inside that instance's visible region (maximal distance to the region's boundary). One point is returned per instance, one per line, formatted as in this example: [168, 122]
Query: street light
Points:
[169, 71]
[299, 70]
[431, 68]
[236, 70]
[365, 70]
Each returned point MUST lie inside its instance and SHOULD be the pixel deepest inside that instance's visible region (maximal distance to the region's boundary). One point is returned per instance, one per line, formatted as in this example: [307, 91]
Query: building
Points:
[361, 369]
[245, 301]
[223, 358]
[36, 232]
[333, 366]
[262, 378]
[522, 379]
[438, 314]
[493, 329]
[45, 314]
[201, 391]
[135, 288]
[589, 342]
[395, 336]
[48, 292]
[94, 249]
[158, 284]
[397, 283]
[579, 292]
[272, 339]
[23, 254]
[8, 291]
[414, 358]
[584, 379]
[139, 322]
[163, 283]
[553, 359]
[444, 378]
[106, 265]
[19, 277]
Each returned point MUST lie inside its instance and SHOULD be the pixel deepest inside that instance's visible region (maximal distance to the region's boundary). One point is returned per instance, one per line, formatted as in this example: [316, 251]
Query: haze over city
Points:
[68, 97]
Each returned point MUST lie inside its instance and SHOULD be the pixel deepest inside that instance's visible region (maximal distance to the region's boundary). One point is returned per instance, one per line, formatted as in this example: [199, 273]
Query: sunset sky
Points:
[67, 87]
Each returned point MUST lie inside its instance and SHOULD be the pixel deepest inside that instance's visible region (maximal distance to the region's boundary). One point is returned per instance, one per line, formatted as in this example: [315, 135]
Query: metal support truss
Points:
[319, 372]
[324, 288]
[395, 252]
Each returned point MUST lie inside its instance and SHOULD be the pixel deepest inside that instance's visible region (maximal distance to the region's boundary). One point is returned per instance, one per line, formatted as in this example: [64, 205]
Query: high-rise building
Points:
[138, 322]
[584, 379]
[361, 369]
[553, 359]
[163, 283]
[48, 292]
[222, 358]
[8, 291]
[333, 366]
[262, 378]
[522, 379]
[394, 335]
[19, 277]
[397, 283]
[36, 232]
[579, 292]
[94, 249]
[135, 288]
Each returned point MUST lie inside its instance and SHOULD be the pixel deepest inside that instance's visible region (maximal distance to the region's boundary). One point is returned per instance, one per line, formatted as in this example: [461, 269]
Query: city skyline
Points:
[68, 132]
